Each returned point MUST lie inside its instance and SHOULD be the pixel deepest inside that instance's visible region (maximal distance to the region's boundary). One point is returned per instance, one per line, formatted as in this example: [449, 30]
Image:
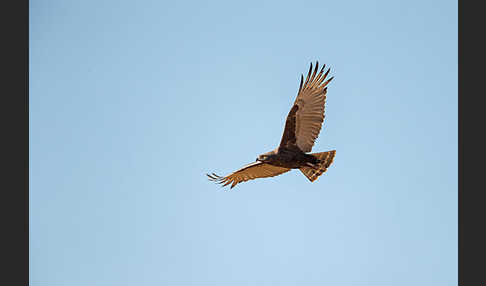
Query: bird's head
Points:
[266, 157]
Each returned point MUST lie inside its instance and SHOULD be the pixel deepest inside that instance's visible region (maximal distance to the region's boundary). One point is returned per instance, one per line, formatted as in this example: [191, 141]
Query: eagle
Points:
[302, 127]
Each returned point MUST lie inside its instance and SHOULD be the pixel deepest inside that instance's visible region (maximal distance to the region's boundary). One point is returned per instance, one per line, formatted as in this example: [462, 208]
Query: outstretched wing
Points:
[305, 118]
[249, 172]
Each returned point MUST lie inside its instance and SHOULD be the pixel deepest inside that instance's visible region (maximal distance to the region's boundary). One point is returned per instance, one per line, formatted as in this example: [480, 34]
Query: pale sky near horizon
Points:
[133, 102]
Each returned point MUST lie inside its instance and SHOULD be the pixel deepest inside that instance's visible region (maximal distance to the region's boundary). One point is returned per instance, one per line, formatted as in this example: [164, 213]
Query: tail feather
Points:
[325, 158]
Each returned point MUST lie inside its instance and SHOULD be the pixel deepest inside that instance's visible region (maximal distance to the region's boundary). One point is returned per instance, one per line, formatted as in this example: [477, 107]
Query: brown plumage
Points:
[302, 127]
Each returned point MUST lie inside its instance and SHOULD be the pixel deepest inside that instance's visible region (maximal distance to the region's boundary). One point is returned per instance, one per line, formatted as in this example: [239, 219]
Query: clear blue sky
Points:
[132, 102]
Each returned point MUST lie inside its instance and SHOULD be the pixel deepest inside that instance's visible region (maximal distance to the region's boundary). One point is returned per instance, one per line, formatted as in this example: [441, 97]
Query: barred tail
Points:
[325, 158]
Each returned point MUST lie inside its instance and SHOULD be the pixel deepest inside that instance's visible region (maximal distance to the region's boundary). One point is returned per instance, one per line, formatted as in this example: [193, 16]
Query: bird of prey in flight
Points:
[302, 127]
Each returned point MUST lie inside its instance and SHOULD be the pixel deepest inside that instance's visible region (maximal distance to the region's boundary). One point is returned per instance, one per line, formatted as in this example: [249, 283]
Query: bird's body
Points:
[288, 158]
[302, 127]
